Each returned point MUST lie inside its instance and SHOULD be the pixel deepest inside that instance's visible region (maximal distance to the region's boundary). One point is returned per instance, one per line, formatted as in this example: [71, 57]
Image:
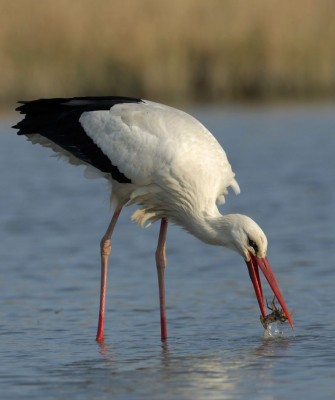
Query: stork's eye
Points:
[253, 245]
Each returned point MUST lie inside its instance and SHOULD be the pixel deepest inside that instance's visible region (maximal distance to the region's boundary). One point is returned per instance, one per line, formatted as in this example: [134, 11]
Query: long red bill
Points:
[265, 267]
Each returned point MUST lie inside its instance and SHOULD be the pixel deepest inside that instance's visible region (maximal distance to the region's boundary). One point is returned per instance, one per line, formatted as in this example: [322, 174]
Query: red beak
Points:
[265, 267]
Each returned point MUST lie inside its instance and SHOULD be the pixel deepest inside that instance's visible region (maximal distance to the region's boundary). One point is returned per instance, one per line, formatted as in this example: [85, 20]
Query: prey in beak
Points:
[253, 265]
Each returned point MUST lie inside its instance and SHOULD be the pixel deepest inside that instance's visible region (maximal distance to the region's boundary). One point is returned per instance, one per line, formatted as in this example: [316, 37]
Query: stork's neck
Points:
[214, 228]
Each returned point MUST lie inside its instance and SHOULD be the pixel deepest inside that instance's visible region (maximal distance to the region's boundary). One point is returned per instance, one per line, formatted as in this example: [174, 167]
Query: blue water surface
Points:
[51, 222]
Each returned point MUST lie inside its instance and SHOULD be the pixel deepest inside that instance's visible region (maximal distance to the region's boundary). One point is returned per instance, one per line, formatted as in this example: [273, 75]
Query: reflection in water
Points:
[165, 354]
[106, 353]
[226, 373]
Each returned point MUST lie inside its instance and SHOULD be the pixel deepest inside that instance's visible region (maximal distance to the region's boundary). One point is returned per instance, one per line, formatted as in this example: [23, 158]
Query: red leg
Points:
[105, 248]
[161, 264]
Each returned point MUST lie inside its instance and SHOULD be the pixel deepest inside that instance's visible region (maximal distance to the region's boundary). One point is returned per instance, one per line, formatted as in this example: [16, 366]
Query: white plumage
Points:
[174, 163]
[160, 158]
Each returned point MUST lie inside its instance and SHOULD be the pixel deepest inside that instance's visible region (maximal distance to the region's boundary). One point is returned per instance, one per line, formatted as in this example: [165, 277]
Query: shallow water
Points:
[51, 221]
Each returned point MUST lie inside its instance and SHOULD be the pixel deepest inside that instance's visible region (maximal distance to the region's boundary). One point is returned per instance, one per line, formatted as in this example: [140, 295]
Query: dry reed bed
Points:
[175, 49]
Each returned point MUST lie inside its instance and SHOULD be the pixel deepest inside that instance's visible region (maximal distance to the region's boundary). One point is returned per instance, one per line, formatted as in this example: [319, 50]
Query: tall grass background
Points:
[173, 50]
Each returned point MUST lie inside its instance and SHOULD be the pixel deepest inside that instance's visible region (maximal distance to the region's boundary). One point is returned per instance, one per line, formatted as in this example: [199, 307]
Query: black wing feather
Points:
[58, 120]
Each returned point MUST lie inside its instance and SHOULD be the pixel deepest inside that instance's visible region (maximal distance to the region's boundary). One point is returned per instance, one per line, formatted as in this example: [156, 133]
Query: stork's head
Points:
[248, 239]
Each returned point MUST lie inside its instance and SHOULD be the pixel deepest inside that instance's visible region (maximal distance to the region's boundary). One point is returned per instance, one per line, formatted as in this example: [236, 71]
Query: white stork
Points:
[161, 159]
